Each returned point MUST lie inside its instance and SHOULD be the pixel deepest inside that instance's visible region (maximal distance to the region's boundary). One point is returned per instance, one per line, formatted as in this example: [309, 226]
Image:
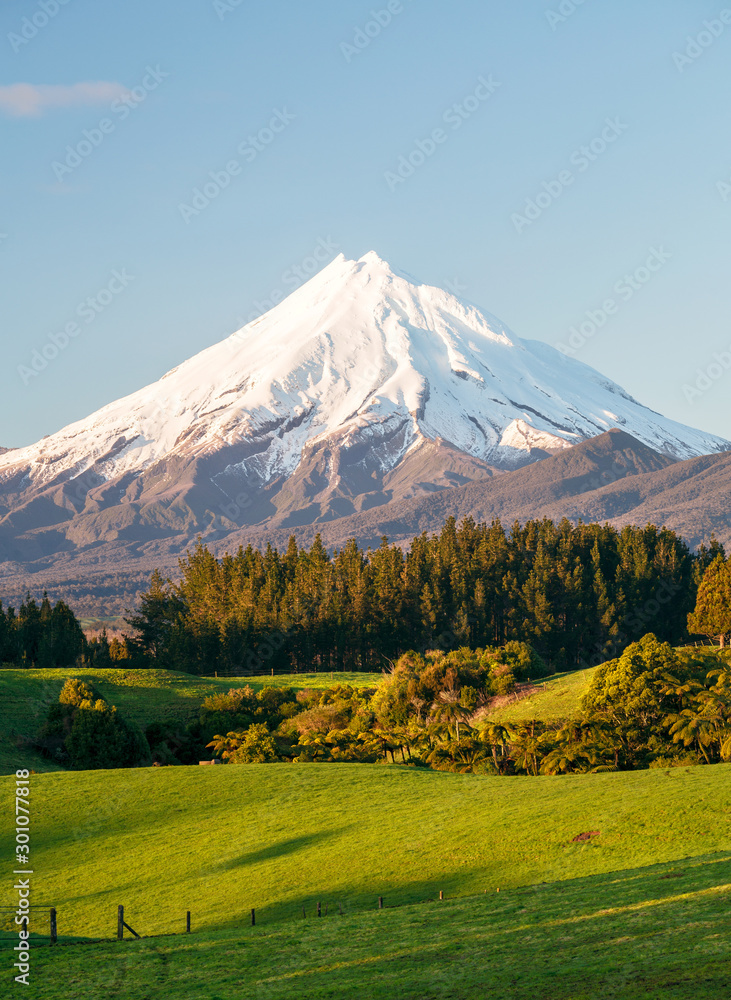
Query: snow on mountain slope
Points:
[368, 356]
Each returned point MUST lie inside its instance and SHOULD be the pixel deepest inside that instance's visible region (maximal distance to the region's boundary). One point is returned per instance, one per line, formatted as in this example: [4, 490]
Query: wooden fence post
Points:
[319, 909]
[120, 923]
[187, 922]
[441, 894]
[54, 935]
[380, 902]
[253, 917]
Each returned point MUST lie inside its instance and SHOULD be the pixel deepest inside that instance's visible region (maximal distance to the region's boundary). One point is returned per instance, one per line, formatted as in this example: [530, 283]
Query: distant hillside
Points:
[142, 696]
[555, 699]
[612, 477]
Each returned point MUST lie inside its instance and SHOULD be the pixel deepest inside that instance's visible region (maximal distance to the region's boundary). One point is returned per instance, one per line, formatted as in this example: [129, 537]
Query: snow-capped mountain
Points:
[363, 385]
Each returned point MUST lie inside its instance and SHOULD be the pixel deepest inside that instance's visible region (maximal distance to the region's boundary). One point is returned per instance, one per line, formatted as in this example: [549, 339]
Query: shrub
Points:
[86, 733]
[100, 738]
[254, 746]
[76, 692]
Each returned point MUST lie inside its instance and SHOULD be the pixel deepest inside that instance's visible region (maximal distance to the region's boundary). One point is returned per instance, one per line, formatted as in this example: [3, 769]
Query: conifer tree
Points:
[712, 613]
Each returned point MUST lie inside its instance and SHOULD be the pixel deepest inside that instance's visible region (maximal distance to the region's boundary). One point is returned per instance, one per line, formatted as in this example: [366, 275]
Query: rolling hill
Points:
[142, 696]
[653, 931]
[612, 477]
[278, 836]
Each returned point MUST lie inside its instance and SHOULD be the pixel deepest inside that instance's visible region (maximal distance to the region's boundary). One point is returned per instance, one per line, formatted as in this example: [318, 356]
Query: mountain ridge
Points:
[361, 392]
[613, 479]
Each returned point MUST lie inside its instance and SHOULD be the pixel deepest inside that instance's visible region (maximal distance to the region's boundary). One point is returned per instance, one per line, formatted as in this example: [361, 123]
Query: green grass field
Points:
[558, 698]
[143, 696]
[654, 932]
[220, 840]
[637, 910]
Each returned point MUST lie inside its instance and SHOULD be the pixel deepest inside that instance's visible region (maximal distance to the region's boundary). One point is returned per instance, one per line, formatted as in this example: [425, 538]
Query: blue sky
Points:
[295, 118]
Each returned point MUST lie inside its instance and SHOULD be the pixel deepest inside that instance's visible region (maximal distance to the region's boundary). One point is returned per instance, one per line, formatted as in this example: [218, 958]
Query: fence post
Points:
[441, 894]
[253, 917]
[187, 922]
[120, 923]
[380, 902]
[54, 935]
[319, 909]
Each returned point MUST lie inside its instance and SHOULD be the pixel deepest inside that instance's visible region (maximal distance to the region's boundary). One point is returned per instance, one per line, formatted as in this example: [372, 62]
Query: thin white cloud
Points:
[30, 100]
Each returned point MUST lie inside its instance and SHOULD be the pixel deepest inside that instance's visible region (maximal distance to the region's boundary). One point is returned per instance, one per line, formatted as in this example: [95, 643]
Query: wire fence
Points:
[45, 922]
[43, 917]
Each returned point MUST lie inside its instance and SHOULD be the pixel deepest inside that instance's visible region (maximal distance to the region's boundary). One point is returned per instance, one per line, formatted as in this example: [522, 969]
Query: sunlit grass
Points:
[220, 840]
[658, 931]
[557, 698]
[143, 696]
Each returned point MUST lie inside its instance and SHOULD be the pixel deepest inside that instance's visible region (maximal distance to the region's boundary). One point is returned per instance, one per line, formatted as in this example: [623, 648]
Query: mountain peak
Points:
[362, 382]
[376, 265]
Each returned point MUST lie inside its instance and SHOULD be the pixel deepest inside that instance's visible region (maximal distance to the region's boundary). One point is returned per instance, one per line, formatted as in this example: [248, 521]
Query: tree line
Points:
[654, 706]
[40, 634]
[577, 593]
[49, 635]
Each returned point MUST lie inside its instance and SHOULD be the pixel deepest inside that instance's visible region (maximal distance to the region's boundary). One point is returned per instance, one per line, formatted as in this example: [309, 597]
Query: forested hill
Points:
[612, 478]
[578, 594]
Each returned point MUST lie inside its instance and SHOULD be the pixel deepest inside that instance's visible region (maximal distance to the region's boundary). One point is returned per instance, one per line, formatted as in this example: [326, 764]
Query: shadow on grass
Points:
[279, 849]
[650, 932]
[648, 886]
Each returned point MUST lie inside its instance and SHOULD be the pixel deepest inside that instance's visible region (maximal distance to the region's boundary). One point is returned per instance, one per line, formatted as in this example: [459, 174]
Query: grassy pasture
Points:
[653, 932]
[143, 696]
[638, 910]
[219, 840]
[557, 698]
